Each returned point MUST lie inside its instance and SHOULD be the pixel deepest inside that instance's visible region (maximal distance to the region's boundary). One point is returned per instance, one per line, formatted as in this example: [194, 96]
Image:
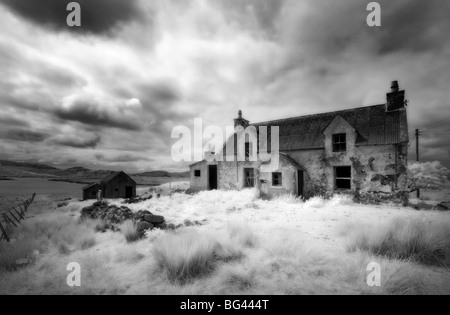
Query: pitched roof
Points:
[375, 126]
[113, 175]
[90, 185]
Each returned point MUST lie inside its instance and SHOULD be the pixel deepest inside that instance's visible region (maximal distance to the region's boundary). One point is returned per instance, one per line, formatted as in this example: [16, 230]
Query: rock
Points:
[144, 226]
[171, 226]
[62, 204]
[154, 219]
[179, 226]
[188, 223]
[197, 223]
[162, 226]
[441, 207]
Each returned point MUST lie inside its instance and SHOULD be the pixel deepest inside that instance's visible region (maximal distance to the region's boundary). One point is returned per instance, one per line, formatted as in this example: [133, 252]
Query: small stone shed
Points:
[117, 185]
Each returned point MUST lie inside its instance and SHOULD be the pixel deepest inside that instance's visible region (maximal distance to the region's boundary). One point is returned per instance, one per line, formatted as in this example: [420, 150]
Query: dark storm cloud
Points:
[13, 121]
[333, 27]
[91, 113]
[23, 135]
[97, 16]
[76, 142]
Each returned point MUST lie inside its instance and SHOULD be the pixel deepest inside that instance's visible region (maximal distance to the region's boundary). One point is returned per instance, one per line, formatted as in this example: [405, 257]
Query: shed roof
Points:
[90, 186]
[113, 175]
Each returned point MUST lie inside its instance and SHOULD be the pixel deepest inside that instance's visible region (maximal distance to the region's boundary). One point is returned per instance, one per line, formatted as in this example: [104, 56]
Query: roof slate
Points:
[375, 126]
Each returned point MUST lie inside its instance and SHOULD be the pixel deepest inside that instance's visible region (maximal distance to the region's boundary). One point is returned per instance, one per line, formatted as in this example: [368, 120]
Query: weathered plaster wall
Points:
[375, 172]
[231, 174]
[289, 180]
[199, 183]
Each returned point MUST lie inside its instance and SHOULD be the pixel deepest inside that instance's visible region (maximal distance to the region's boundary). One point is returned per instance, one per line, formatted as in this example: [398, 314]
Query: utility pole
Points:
[417, 155]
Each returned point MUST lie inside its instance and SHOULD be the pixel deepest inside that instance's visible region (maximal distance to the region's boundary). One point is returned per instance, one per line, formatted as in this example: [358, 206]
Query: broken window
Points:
[343, 177]
[277, 179]
[197, 173]
[340, 142]
[249, 177]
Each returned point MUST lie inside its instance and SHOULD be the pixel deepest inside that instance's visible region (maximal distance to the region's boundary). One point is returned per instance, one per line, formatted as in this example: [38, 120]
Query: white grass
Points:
[129, 230]
[416, 240]
[245, 246]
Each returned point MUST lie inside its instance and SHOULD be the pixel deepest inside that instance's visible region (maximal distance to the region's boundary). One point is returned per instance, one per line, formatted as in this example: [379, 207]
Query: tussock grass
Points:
[243, 234]
[129, 230]
[416, 240]
[11, 252]
[185, 256]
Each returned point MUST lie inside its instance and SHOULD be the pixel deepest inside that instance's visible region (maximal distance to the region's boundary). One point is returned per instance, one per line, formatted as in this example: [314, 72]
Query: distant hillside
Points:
[30, 165]
[163, 174]
[9, 169]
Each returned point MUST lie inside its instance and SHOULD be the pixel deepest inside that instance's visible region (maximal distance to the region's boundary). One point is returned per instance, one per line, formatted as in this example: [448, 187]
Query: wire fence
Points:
[11, 218]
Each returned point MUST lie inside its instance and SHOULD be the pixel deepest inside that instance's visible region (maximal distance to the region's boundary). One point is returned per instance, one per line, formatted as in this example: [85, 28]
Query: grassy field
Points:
[244, 246]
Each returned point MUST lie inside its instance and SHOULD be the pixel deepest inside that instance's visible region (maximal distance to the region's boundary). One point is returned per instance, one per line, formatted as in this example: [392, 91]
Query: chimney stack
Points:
[396, 98]
[241, 121]
[394, 86]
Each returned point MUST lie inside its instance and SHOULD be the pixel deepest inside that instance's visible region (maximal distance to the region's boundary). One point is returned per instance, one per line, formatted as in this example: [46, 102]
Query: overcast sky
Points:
[108, 94]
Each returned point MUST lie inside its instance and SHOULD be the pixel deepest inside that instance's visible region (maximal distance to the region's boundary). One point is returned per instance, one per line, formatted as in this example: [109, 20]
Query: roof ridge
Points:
[312, 115]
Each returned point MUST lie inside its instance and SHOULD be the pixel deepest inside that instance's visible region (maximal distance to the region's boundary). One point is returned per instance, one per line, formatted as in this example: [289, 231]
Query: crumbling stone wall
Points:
[378, 172]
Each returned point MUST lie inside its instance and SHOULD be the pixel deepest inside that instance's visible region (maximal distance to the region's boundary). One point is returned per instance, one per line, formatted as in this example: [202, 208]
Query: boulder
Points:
[154, 219]
[171, 226]
[162, 226]
[144, 226]
[188, 223]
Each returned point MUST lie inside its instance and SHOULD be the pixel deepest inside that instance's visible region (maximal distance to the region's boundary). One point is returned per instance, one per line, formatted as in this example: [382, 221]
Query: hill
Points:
[10, 169]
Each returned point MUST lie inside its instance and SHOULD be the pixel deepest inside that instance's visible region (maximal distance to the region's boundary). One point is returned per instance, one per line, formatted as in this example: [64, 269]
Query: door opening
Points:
[301, 183]
[128, 192]
[213, 177]
[249, 178]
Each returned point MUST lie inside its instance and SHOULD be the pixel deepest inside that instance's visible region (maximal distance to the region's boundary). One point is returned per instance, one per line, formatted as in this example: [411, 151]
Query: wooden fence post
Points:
[20, 215]
[8, 220]
[4, 235]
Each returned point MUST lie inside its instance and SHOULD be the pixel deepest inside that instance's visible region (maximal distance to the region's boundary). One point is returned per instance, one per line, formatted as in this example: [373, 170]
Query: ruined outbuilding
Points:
[115, 186]
[361, 151]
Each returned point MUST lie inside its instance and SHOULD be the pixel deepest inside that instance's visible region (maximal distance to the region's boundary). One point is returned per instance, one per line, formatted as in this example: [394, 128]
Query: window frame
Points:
[337, 143]
[197, 173]
[279, 180]
[336, 178]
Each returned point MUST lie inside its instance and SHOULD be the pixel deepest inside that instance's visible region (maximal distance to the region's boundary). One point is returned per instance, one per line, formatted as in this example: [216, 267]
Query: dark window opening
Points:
[340, 142]
[343, 177]
[93, 193]
[248, 150]
[277, 179]
[249, 177]
[116, 189]
[197, 173]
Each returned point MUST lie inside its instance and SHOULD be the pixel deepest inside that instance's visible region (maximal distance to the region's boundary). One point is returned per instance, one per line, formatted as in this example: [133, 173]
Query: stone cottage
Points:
[361, 151]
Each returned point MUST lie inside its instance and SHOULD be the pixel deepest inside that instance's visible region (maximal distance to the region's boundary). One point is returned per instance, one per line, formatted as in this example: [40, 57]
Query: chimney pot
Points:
[240, 114]
[394, 86]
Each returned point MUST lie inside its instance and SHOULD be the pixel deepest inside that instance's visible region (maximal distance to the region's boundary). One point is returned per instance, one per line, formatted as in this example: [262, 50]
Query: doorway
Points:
[249, 178]
[301, 183]
[129, 192]
[213, 177]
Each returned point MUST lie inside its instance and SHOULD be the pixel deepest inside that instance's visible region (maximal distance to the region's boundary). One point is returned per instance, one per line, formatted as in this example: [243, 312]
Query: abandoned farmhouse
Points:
[361, 151]
[114, 186]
